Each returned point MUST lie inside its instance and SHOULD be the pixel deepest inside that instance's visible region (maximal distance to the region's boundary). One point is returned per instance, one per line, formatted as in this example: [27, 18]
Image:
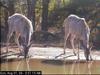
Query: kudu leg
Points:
[8, 39]
[78, 50]
[72, 44]
[24, 42]
[65, 41]
[87, 54]
[21, 46]
[17, 42]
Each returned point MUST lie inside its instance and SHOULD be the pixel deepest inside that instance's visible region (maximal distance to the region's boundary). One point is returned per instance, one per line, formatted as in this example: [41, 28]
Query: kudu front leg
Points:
[87, 54]
[26, 45]
[78, 50]
[21, 46]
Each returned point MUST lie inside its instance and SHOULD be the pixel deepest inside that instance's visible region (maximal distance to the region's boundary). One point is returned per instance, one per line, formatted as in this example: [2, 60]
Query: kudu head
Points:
[26, 47]
[87, 51]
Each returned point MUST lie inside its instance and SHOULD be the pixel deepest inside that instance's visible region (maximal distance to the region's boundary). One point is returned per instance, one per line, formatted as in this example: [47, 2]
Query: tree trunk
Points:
[11, 7]
[11, 11]
[44, 26]
[31, 11]
[58, 3]
[6, 23]
[0, 17]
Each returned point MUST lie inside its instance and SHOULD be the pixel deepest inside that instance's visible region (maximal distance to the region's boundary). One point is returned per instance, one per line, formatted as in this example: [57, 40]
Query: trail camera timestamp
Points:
[20, 73]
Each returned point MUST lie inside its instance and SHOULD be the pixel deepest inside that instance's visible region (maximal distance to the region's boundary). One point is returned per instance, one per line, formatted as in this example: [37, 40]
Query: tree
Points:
[11, 7]
[11, 11]
[45, 5]
[31, 11]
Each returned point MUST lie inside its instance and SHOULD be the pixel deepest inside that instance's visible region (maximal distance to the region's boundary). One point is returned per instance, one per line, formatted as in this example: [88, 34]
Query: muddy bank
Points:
[48, 53]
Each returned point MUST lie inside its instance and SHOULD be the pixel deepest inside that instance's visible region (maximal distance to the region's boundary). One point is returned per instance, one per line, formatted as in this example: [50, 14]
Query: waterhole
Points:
[52, 66]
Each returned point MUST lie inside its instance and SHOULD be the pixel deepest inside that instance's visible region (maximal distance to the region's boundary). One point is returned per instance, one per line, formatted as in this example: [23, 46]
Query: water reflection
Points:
[52, 66]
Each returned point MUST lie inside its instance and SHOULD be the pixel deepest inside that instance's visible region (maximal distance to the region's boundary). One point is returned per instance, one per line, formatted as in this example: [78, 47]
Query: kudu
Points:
[77, 28]
[23, 28]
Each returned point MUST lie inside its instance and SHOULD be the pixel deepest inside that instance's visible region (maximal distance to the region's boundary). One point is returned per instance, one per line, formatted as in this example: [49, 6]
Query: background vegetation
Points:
[47, 17]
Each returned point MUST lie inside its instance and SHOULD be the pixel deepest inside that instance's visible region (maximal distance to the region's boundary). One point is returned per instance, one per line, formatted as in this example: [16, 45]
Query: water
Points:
[52, 66]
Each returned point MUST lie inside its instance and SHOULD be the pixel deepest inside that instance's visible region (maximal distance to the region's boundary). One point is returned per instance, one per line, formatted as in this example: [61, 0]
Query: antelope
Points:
[77, 28]
[23, 28]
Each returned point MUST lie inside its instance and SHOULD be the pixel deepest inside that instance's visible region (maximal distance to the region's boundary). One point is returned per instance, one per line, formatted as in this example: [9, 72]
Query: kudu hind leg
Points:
[72, 44]
[17, 42]
[65, 41]
[8, 39]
